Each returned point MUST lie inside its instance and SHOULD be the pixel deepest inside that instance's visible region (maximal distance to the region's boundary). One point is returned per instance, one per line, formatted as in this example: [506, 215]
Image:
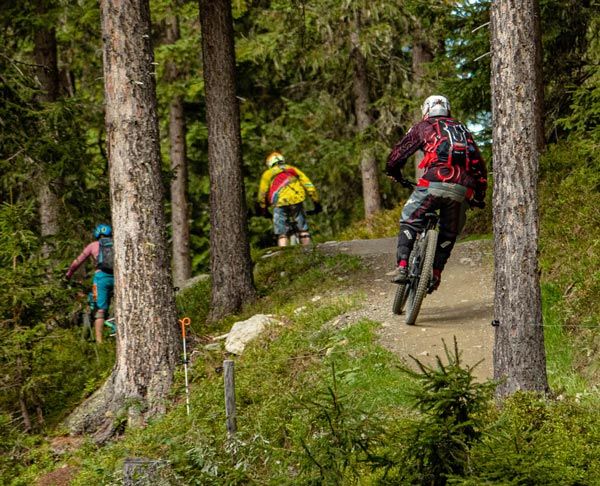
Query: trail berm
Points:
[461, 307]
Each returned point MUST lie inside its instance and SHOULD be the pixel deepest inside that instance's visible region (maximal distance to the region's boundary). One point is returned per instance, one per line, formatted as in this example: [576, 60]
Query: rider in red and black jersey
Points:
[454, 178]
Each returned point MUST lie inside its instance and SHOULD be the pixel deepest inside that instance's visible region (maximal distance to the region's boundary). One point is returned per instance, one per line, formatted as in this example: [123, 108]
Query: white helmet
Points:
[274, 158]
[436, 105]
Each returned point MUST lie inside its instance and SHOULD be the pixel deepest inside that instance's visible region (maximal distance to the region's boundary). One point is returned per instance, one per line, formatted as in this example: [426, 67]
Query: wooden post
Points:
[230, 413]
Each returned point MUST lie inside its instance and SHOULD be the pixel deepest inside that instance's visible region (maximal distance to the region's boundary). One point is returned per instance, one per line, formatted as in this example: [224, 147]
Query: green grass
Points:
[562, 374]
[311, 388]
[275, 379]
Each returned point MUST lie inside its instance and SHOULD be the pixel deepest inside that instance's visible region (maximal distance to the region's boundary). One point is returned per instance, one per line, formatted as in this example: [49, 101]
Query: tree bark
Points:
[182, 268]
[148, 342]
[519, 355]
[360, 91]
[231, 266]
[46, 59]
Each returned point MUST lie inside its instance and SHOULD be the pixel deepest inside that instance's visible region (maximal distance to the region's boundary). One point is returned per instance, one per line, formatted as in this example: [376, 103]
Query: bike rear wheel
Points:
[402, 290]
[400, 299]
[87, 334]
[419, 285]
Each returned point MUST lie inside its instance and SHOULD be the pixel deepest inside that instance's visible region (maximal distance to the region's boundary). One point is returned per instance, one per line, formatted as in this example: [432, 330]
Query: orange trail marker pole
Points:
[185, 322]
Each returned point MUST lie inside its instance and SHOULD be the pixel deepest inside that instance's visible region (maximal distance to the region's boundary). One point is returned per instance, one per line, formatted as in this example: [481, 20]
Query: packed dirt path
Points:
[461, 307]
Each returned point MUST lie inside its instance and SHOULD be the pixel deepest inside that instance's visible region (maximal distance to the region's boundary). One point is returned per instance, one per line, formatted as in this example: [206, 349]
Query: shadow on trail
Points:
[452, 315]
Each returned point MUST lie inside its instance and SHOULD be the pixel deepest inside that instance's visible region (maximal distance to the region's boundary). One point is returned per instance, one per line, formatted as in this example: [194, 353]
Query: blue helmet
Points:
[102, 230]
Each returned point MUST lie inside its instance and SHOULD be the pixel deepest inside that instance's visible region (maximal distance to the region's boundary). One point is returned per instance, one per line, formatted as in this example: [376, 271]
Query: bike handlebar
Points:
[406, 183]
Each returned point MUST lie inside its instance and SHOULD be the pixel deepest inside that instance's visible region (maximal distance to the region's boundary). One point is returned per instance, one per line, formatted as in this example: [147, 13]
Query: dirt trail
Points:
[461, 307]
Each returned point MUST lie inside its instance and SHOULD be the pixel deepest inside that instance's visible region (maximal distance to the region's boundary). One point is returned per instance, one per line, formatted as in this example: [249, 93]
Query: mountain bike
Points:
[87, 324]
[420, 269]
[293, 233]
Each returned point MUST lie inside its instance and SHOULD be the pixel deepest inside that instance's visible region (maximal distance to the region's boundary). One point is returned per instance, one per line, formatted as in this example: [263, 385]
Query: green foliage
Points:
[570, 227]
[294, 415]
[33, 365]
[538, 441]
[41, 343]
[569, 37]
[382, 225]
[462, 69]
[293, 271]
[453, 409]
[563, 377]
[340, 438]
[294, 84]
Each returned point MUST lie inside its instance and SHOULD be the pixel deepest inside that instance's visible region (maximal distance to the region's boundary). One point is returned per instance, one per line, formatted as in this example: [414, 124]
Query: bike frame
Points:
[420, 268]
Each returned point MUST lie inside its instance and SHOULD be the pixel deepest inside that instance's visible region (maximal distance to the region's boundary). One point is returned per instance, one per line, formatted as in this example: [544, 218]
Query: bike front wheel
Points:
[420, 284]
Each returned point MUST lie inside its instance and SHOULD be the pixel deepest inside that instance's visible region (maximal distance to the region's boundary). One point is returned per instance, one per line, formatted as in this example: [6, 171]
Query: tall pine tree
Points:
[519, 355]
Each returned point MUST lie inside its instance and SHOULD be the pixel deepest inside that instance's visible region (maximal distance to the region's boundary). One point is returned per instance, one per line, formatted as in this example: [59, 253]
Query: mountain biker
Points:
[103, 281]
[454, 178]
[284, 187]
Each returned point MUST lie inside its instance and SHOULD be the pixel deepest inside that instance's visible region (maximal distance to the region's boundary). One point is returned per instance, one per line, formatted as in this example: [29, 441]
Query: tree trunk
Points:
[422, 54]
[148, 341]
[231, 266]
[368, 163]
[519, 356]
[182, 268]
[45, 54]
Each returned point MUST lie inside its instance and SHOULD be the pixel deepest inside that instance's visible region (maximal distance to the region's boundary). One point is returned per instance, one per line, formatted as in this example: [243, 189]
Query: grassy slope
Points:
[291, 384]
[276, 379]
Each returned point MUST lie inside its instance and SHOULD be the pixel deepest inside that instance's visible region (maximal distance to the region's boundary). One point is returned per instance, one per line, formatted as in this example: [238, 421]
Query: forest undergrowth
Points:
[325, 404]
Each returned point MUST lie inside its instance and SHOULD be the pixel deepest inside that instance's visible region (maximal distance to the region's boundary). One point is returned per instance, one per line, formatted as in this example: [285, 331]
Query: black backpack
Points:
[106, 256]
[452, 143]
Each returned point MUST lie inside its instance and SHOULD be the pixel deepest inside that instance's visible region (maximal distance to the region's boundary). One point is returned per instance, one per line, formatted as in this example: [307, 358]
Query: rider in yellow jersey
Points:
[284, 187]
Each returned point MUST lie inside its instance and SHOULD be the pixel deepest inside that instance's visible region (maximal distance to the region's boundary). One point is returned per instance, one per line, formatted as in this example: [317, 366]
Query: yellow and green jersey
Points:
[284, 185]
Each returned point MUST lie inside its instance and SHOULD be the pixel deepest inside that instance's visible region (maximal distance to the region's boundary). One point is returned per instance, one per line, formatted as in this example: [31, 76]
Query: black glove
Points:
[260, 211]
[394, 172]
[406, 183]
[317, 209]
[478, 200]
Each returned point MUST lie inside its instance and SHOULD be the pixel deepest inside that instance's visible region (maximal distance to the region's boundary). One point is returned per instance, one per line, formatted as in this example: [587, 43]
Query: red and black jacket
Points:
[450, 155]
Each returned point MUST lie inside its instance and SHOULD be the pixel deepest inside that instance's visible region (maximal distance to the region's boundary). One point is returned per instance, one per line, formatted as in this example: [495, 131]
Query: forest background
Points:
[295, 84]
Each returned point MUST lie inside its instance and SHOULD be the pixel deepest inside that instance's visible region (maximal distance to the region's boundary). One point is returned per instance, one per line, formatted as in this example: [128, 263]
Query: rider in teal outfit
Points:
[103, 281]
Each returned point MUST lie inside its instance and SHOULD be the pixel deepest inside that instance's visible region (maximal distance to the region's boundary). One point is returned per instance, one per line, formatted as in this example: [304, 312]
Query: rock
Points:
[213, 347]
[316, 298]
[141, 471]
[242, 332]
[299, 310]
[338, 323]
[271, 254]
[194, 280]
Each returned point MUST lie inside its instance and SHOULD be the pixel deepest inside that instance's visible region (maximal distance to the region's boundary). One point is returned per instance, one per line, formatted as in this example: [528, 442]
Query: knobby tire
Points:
[400, 298]
[87, 334]
[402, 291]
[419, 289]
